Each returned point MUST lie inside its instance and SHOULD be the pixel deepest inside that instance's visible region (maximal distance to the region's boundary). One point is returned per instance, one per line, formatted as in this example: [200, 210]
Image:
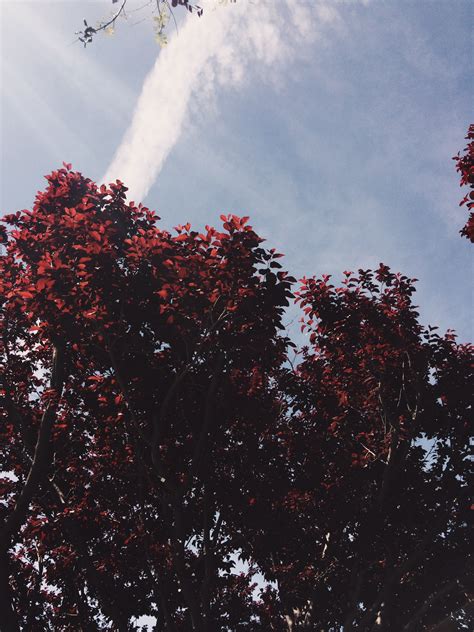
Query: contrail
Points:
[217, 49]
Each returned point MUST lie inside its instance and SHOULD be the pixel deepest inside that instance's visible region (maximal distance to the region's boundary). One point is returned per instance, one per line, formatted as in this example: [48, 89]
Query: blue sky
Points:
[332, 124]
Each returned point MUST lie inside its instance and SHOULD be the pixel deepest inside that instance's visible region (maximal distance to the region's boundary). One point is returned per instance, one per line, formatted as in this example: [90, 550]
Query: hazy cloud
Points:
[220, 49]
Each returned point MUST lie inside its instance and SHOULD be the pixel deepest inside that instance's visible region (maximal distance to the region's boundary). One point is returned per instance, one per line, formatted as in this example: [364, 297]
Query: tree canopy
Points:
[168, 451]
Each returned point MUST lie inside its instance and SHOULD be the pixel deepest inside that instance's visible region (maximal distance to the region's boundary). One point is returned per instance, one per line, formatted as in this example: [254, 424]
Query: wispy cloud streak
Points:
[219, 49]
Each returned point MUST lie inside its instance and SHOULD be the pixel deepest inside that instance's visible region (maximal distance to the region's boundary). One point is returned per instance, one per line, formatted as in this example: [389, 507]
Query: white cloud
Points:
[220, 49]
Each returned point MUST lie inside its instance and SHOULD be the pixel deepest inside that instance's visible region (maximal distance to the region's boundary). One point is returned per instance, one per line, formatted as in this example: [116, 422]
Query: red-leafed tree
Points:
[153, 430]
[465, 166]
[136, 386]
[370, 517]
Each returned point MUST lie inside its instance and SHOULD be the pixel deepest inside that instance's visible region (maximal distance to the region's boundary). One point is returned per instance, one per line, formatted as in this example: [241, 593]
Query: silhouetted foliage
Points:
[465, 166]
[154, 432]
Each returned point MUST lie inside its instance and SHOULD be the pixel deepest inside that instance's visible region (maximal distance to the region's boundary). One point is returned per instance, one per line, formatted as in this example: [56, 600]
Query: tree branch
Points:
[208, 418]
[412, 624]
[36, 472]
[87, 34]
[8, 616]
[40, 459]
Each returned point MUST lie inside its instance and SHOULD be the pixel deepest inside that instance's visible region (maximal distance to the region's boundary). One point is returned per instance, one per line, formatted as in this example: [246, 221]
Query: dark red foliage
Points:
[371, 512]
[465, 166]
[161, 350]
[153, 432]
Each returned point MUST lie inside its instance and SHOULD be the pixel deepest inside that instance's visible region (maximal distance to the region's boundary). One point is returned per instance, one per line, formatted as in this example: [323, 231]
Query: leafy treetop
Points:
[154, 428]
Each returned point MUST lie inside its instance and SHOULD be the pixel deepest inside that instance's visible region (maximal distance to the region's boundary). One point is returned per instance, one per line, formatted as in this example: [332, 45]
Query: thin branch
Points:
[395, 577]
[178, 538]
[208, 418]
[126, 394]
[357, 580]
[413, 623]
[172, 15]
[448, 624]
[8, 616]
[207, 556]
[160, 417]
[87, 34]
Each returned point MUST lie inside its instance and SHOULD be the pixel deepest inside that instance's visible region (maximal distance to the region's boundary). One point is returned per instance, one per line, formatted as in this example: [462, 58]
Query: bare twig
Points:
[88, 33]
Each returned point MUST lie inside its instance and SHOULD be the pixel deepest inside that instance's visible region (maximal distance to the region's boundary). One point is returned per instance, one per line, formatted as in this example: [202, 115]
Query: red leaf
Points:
[41, 284]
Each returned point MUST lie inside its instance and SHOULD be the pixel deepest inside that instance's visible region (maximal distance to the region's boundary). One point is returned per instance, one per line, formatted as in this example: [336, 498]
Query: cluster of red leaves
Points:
[465, 166]
[152, 429]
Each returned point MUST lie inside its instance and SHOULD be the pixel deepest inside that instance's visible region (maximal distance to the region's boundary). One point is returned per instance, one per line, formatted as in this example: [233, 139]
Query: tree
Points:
[465, 166]
[154, 430]
[373, 502]
[136, 382]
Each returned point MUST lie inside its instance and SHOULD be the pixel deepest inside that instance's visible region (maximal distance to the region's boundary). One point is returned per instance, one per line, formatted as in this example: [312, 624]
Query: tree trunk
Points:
[8, 617]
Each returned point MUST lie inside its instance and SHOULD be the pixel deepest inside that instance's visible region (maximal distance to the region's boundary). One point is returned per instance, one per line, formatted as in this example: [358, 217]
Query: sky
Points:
[332, 124]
